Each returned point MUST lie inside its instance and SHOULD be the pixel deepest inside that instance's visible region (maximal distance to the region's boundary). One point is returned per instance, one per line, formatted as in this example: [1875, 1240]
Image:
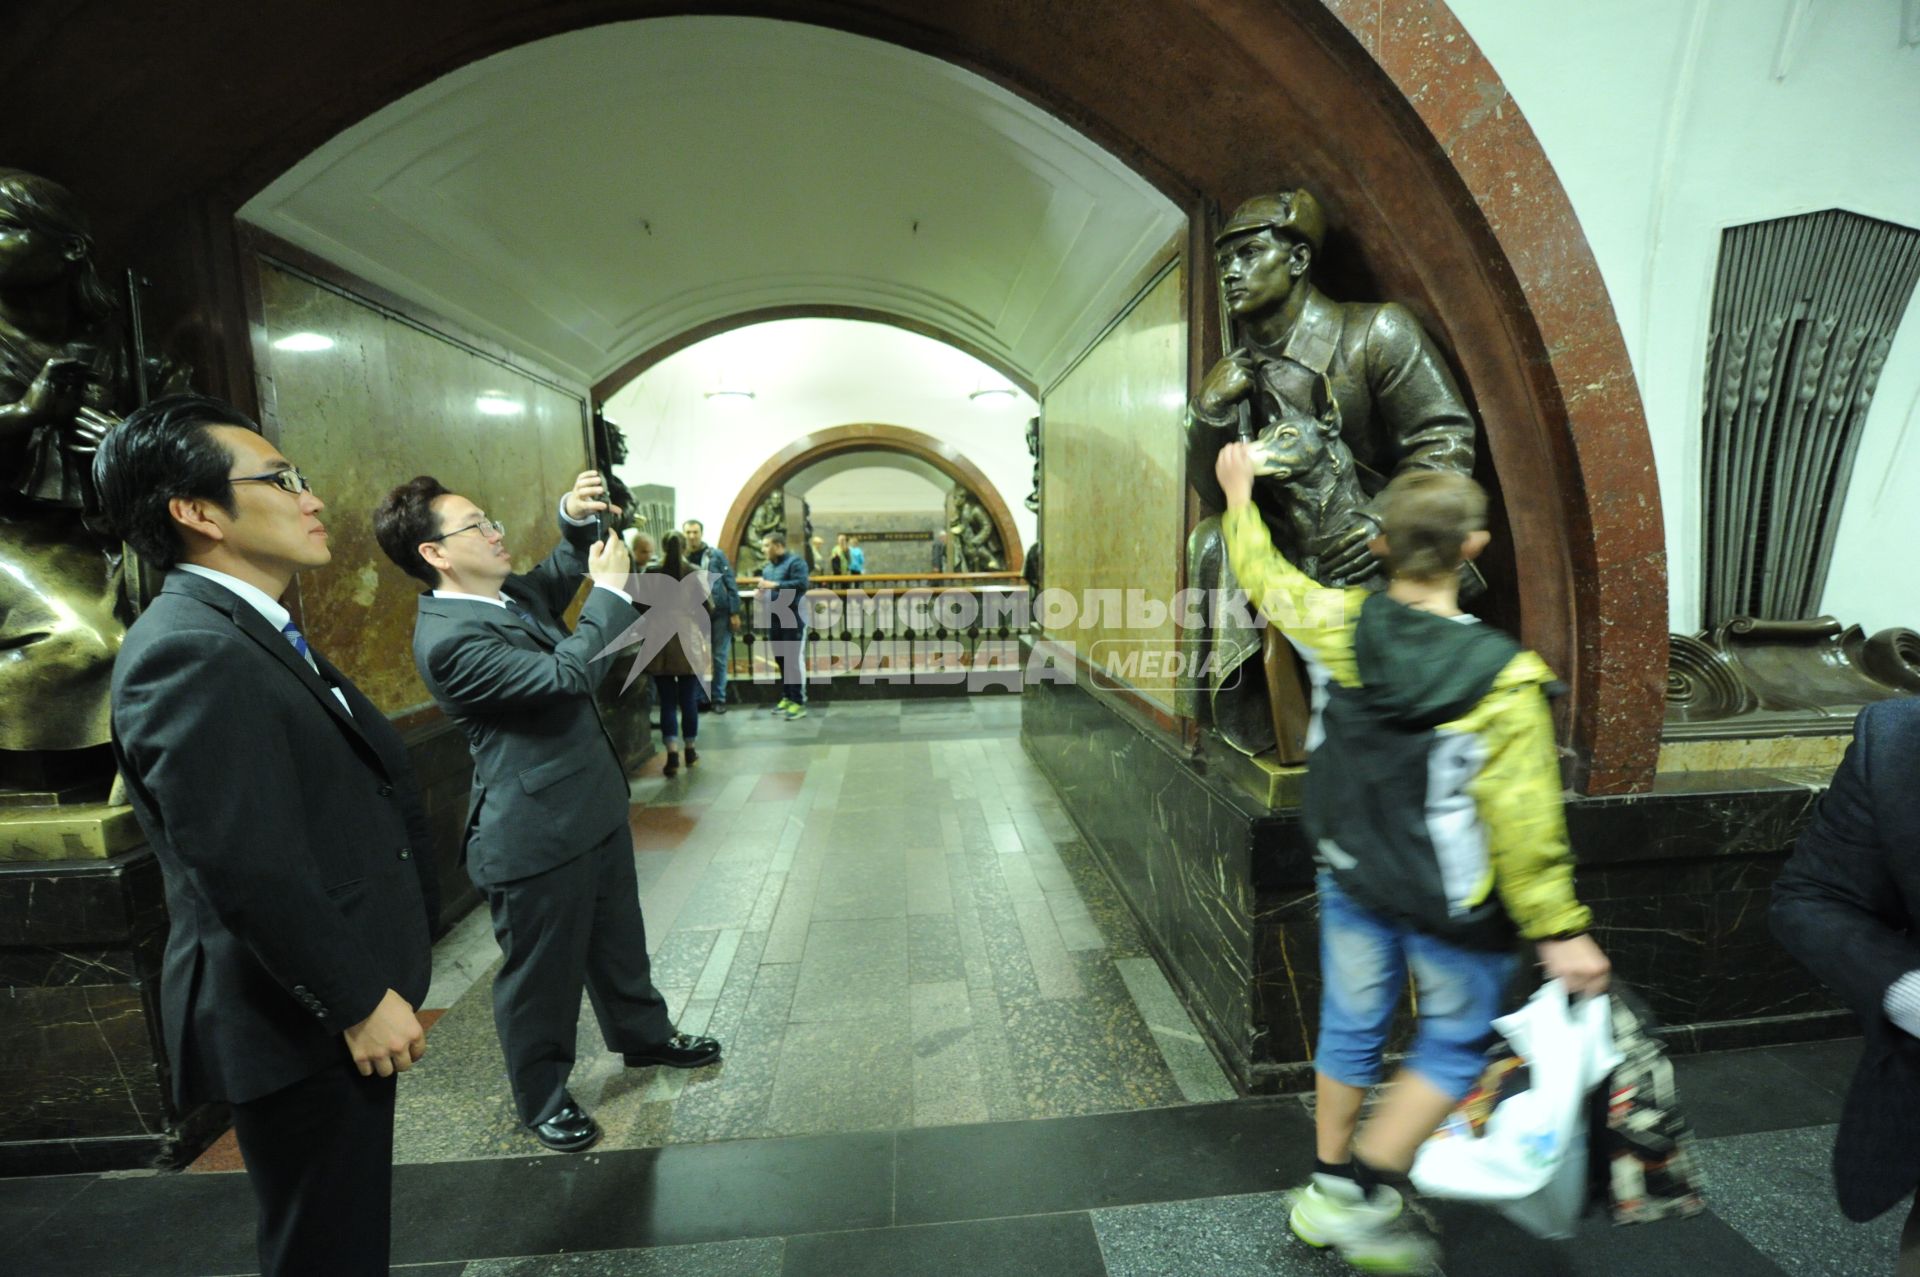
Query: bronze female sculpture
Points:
[64, 378]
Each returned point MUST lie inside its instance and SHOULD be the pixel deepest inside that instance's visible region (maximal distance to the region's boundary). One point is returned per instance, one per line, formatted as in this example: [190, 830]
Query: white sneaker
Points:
[1371, 1233]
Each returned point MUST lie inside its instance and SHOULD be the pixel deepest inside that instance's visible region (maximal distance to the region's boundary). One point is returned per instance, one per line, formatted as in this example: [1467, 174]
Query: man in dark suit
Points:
[1846, 906]
[548, 842]
[281, 806]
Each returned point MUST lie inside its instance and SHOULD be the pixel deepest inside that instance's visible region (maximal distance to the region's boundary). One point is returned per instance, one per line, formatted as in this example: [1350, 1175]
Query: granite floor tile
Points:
[1087, 1054]
[759, 1257]
[933, 949]
[26, 1205]
[793, 915]
[1716, 1091]
[461, 956]
[947, 1083]
[1054, 970]
[1247, 1236]
[725, 895]
[1054, 1245]
[861, 884]
[642, 1198]
[679, 958]
[843, 1075]
[729, 1100]
[1116, 1159]
[1078, 931]
[1776, 1189]
[853, 971]
[659, 825]
[928, 890]
[148, 1226]
[1195, 1070]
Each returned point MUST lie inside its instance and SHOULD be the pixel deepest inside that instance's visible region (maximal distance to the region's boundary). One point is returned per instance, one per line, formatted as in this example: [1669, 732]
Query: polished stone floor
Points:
[947, 1052]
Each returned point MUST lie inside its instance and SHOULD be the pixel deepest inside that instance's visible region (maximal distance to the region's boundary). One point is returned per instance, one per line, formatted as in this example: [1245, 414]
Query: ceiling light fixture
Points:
[734, 394]
[495, 404]
[304, 342]
[991, 396]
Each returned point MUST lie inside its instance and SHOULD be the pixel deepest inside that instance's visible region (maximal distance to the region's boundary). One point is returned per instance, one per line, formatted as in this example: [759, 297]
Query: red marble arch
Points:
[1440, 196]
[835, 441]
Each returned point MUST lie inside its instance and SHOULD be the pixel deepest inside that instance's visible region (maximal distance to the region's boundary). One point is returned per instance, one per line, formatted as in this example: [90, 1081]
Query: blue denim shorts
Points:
[1364, 960]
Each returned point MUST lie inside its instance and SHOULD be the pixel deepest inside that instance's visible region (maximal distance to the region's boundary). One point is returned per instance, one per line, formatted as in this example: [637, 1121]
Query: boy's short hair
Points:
[1425, 516]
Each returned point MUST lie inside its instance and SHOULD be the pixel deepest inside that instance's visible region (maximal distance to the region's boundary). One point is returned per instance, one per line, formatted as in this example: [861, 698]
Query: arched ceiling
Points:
[587, 197]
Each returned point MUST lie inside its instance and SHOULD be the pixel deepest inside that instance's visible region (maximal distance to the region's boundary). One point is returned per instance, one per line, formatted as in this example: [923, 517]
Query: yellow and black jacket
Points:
[1433, 789]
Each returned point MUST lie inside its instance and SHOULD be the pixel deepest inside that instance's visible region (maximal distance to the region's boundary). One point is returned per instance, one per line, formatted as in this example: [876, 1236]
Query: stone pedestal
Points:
[1678, 880]
[83, 1077]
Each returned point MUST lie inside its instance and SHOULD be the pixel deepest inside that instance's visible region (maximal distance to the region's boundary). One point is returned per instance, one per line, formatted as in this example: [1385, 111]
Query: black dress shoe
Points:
[681, 1051]
[721, 708]
[569, 1130]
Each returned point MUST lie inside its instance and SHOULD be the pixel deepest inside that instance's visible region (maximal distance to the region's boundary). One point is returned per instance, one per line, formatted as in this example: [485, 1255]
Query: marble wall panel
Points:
[390, 400]
[1113, 483]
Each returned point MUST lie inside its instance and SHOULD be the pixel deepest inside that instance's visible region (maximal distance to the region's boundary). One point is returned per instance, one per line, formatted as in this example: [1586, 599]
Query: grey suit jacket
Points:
[290, 836]
[547, 779]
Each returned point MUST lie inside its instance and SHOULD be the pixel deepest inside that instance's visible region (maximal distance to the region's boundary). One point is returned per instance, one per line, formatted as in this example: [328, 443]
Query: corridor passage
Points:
[885, 916]
[947, 1053]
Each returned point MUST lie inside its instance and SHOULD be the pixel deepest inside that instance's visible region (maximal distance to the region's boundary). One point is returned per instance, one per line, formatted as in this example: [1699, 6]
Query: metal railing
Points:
[929, 627]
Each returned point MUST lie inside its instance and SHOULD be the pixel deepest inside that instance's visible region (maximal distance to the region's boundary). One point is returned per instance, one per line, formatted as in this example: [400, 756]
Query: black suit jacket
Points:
[1845, 906]
[547, 780]
[290, 836]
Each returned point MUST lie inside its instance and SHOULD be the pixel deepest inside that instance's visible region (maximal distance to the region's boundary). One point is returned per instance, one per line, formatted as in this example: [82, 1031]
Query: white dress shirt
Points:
[269, 609]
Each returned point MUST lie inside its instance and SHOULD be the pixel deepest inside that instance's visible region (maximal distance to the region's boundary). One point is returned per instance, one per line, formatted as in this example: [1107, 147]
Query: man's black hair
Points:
[162, 451]
[406, 518]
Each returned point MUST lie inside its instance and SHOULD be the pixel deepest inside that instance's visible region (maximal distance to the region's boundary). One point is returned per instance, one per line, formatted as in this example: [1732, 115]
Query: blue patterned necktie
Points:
[292, 634]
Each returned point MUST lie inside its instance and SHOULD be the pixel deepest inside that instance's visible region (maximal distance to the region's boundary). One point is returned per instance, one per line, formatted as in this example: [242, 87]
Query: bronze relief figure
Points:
[1337, 397]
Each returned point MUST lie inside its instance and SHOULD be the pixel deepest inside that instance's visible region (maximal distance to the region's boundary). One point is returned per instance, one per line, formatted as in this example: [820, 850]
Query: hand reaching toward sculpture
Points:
[1234, 469]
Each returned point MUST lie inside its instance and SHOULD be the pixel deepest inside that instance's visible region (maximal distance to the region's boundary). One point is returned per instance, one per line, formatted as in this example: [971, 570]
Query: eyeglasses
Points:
[289, 481]
[483, 527]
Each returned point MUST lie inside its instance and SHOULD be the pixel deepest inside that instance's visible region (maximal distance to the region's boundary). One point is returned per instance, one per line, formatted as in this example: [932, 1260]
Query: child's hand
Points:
[1578, 963]
[1234, 469]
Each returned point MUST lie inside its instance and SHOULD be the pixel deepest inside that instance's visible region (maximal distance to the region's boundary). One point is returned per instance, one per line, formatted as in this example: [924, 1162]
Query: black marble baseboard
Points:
[84, 1083]
[1678, 880]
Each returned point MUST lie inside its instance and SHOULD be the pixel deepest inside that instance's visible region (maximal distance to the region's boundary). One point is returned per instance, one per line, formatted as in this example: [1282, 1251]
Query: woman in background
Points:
[675, 670]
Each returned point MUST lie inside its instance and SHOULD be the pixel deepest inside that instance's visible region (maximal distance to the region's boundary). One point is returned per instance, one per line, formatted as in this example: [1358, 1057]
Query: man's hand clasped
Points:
[389, 1040]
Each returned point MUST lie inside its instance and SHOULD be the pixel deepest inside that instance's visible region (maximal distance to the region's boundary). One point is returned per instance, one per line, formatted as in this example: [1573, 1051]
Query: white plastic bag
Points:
[1531, 1161]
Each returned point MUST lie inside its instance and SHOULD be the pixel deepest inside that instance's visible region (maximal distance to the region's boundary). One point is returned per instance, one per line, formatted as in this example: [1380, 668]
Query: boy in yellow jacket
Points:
[1433, 802]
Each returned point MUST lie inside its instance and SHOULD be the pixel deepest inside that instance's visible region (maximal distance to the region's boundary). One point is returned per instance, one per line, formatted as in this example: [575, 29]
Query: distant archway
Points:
[809, 450]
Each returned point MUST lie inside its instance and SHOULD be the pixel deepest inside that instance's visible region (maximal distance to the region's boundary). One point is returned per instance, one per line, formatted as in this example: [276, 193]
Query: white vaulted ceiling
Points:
[588, 197]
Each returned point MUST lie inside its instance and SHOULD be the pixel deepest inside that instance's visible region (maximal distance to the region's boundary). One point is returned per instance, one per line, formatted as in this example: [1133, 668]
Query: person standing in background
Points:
[723, 593]
[940, 551]
[784, 579]
[675, 679]
[856, 557]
